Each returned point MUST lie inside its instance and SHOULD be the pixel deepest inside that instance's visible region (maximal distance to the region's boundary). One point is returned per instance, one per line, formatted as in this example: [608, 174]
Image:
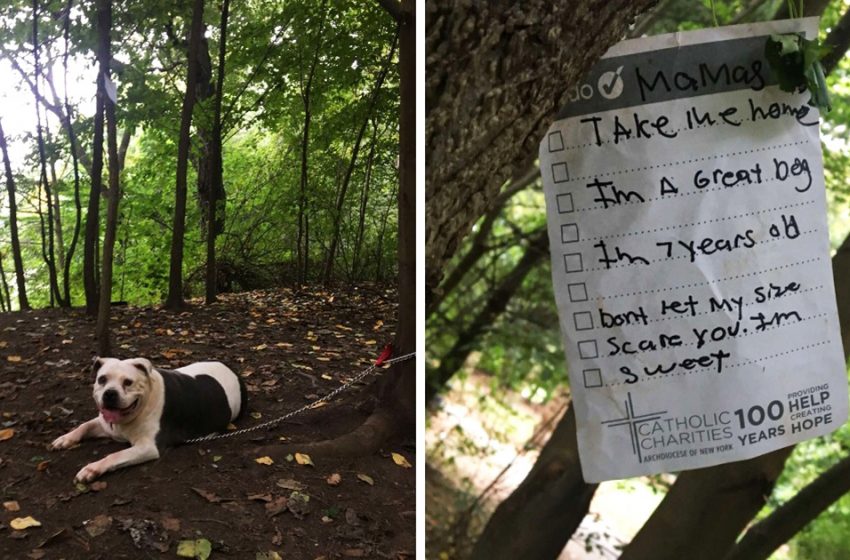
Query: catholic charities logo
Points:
[656, 436]
[633, 422]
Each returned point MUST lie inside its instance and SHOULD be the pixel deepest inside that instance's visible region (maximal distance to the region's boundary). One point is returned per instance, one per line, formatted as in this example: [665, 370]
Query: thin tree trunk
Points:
[364, 201]
[104, 23]
[302, 252]
[50, 259]
[23, 302]
[498, 300]
[42, 230]
[379, 246]
[72, 138]
[217, 171]
[6, 300]
[340, 201]
[57, 221]
[175, 277]
[92, 233]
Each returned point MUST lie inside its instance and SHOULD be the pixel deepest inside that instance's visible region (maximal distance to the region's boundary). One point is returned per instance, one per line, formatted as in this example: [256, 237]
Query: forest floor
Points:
[290, 347]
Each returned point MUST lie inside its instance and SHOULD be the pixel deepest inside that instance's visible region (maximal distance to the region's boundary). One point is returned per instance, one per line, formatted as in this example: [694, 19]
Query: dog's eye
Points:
[128, 382]
[101, 380]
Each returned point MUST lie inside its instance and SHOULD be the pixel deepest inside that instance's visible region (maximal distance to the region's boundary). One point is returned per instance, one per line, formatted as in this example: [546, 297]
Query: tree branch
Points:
[392, 7]
[838, 41]
[770, 533]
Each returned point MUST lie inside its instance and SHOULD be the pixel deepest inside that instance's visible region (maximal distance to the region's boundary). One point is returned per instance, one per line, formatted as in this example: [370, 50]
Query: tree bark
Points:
[340, 200]
[23, 302]
[538, 518]
[216, 162]
[496, 303]
[104, 25]
[487, 109]
[175, 278]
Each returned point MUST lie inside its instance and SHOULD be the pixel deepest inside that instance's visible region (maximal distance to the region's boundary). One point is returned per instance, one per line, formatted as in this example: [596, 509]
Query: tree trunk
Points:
[340, 200]
[57, 225]
[364, 201]
[50, 257]
[104, 26]
[6, 300]
[302, 253]
[92, 233]
[72, 139]
[538, 518]
[496, 303]
[23, 302]
[379, 245]
[217, 163]
[175, 278]
[486, 110]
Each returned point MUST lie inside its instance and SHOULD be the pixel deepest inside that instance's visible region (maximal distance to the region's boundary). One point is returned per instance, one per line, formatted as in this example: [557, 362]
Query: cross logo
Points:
[633, 420]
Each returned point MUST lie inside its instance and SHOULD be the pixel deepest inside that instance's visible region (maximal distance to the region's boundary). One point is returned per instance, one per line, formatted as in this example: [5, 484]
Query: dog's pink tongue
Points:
[111, 416]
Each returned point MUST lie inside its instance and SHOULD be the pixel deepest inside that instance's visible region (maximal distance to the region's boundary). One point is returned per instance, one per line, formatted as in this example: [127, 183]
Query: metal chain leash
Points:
[308, 406]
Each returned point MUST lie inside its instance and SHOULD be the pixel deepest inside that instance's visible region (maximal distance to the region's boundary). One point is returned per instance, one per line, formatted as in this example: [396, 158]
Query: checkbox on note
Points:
[577, 292]
[592, 378]
[560, 173]
[587, 349]
[569, 233]
[583, 320]
[565, 203]
[556, 141]
[572, 262]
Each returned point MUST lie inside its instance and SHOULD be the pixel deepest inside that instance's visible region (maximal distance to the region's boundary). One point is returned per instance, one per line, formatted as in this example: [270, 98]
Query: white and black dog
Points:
[155, 408]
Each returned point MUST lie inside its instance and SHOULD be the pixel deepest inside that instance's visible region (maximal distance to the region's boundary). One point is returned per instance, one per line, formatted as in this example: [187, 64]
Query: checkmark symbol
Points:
[611, 84]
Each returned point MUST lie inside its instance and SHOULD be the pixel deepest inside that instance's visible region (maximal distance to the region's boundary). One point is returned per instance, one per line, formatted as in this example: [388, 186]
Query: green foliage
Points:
[796, 62]
[271, 45]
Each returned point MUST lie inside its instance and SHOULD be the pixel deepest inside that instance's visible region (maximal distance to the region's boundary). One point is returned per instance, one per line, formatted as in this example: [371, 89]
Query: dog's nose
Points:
[110, 398]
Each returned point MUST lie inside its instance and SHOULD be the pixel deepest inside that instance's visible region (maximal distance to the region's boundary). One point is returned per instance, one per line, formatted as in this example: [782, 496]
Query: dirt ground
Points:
[290, 347]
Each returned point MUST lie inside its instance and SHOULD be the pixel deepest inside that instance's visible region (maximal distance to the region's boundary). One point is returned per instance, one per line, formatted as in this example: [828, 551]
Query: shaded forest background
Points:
[303, 95]
[496, 374]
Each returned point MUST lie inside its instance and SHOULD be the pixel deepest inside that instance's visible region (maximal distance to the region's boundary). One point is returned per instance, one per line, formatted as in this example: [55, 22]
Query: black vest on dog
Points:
[194, 407]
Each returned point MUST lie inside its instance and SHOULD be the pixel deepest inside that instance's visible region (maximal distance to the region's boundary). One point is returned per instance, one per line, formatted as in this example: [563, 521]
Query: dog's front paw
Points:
[89, 473]
[64, 442]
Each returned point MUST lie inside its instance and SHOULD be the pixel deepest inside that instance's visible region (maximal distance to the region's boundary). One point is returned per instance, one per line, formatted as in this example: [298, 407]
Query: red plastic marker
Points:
[385, 355]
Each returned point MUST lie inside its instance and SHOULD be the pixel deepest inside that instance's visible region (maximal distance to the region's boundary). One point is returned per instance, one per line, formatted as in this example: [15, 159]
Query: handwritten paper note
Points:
[690, 256]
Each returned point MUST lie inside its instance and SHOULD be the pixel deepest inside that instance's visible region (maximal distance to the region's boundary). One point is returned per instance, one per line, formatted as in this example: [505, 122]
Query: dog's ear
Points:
[96, 364]
[142, 364]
